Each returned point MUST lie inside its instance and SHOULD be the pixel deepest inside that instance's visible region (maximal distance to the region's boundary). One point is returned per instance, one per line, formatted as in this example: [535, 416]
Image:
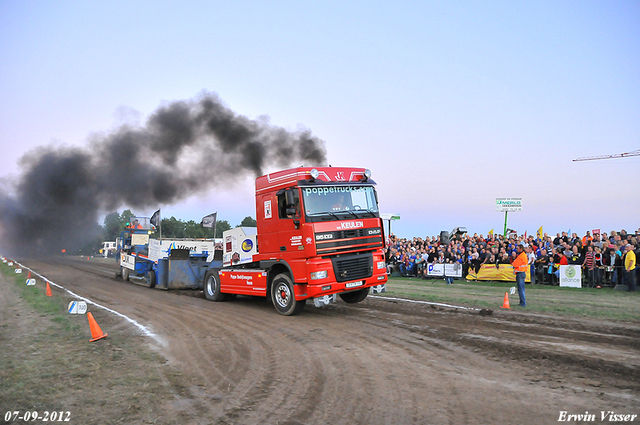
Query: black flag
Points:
[155, 218]
[210, 220]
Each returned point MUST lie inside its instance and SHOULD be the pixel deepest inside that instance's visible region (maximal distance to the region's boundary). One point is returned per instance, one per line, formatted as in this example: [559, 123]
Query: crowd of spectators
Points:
[601, 256]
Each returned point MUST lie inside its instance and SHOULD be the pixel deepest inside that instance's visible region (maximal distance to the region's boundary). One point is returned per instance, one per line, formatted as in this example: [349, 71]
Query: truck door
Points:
[290, 234]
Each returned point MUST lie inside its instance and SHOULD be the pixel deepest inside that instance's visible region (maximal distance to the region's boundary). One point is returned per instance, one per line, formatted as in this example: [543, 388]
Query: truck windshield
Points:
[330, 200]
[140, 223]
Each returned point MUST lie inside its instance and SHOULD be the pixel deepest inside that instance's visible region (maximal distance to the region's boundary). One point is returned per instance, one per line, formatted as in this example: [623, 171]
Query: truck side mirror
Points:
[288, 203]
[289, 198]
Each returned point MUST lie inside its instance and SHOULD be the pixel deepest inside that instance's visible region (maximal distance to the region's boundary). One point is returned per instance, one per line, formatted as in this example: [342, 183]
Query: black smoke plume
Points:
[184, 148]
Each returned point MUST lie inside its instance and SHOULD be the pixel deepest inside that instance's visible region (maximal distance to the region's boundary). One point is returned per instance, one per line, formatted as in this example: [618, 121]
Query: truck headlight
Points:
[381, 265]
[319, 275]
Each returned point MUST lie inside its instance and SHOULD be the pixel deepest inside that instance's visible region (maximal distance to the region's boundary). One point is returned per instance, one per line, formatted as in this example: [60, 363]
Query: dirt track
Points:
[378, 362]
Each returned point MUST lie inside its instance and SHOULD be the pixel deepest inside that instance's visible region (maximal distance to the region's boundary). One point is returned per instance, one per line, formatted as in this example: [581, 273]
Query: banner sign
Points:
[571, 276]
[453, 270]
[441, 270]
[508, 204]
[161, 248]
[435, 270]
[503, 273]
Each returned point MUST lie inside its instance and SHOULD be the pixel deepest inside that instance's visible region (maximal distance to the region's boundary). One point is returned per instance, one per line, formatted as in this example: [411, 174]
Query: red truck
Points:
[319, 235]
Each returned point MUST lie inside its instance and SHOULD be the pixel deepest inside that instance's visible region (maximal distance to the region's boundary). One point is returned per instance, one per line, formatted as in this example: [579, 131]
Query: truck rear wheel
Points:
[355, 296]
[283, 297]
[151, 279]
[212, 286]
[125, 273]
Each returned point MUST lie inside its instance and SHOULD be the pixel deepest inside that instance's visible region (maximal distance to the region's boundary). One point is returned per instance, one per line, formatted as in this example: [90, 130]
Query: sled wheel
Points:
[151, 279]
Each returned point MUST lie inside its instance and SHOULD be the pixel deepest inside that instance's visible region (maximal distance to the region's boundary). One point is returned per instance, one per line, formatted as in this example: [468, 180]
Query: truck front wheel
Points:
[355, 296]
[212, 286]
[125, 273]
[283, 297]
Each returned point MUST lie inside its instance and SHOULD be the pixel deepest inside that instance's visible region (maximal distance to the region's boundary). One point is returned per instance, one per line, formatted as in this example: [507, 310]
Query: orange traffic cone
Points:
[506, 301]
[96, 332]
[49, 294]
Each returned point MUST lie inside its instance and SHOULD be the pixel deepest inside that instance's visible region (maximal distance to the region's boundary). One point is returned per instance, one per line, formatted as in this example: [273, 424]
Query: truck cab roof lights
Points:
[367, 174]
[314, 173]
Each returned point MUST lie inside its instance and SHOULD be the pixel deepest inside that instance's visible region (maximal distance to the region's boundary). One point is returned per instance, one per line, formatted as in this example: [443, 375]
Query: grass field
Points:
[48, 363]
[604, 303]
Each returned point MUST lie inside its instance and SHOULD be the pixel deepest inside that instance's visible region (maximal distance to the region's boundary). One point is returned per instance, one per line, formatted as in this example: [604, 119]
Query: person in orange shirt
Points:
[520, 265]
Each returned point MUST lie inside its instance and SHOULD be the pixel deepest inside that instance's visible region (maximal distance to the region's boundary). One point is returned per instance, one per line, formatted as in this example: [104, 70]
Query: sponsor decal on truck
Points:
[128, 261]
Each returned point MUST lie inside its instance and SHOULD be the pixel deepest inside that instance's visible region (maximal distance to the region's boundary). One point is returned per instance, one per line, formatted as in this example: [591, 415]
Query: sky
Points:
[449, 104]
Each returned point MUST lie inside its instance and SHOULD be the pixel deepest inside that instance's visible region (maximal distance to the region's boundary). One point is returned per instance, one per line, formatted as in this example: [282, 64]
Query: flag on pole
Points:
[155, 218]
[491, 232]
[540, 233]
[209, 220]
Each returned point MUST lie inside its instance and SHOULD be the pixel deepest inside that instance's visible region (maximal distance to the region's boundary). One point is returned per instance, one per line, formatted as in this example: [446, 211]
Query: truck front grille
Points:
[352, 267]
